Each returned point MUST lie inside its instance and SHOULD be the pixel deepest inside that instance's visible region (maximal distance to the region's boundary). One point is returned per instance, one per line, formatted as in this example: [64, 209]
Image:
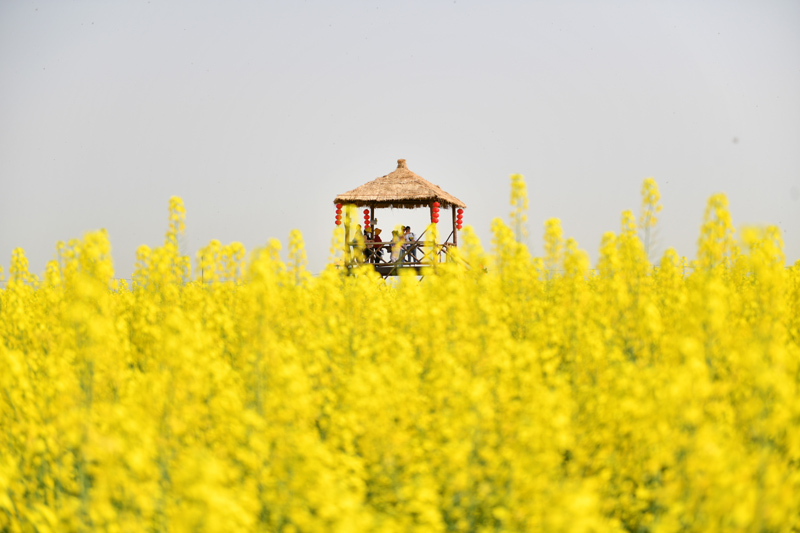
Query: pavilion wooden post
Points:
[455, 231]
[346, 238]
[369, 258]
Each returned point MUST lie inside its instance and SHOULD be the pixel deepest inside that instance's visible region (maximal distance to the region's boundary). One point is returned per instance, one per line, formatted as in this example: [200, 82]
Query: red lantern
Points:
[458, 226]
[366, 211]
[338, 211]
[338, 222]
[338, 206]
[436, 204]
[435, 209]
[460, 211]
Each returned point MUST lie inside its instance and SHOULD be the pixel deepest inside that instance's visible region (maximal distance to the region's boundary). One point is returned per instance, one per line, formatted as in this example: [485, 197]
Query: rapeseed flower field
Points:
[505, 393]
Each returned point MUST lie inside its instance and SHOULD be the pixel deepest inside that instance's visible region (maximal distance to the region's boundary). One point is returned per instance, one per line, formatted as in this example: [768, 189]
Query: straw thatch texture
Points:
[401, 188]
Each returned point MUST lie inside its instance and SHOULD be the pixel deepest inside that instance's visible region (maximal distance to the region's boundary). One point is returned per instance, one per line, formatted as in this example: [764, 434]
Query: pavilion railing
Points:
[413, 254]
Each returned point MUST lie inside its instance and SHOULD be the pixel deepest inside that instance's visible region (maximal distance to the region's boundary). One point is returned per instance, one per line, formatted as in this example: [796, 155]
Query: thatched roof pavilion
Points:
[404, 189]
[401, 188]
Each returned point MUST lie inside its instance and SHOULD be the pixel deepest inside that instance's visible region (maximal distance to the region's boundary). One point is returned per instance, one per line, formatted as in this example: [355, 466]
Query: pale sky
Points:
[259, 113]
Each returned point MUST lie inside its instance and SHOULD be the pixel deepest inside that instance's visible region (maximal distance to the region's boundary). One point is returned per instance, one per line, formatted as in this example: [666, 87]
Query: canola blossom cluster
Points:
[502, 392]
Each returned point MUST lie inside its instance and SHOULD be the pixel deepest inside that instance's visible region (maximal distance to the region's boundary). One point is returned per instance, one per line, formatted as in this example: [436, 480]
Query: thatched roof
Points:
[401, 188]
